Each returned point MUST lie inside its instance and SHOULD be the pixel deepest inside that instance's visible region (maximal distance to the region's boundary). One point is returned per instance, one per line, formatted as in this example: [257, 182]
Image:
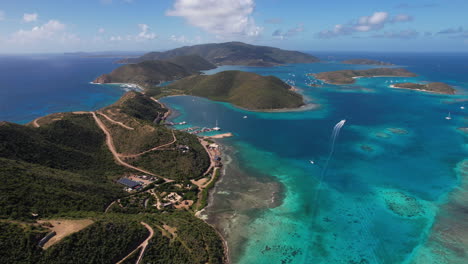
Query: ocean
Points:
[36, 85]
[393, 167]
[389, 182]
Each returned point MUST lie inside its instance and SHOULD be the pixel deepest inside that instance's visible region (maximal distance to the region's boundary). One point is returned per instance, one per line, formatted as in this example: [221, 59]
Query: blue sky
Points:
[29, 26]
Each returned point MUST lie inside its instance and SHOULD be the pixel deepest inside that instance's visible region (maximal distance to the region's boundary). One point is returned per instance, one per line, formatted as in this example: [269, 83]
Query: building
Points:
[129, 183]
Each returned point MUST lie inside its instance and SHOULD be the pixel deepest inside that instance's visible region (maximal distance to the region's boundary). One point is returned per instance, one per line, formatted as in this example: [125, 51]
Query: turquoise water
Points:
[392, 168]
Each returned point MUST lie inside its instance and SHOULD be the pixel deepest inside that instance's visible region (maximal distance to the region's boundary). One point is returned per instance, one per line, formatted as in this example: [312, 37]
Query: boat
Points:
[216, 128]
[312, 162]
[245, 117]
[448, 117]
[462, 107]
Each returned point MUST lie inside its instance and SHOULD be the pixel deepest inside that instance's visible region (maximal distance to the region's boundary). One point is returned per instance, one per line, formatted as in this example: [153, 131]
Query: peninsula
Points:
[232, 53]
[243, 89]
[367, 62]
[113, 186]
[433, 87]
[349, 76]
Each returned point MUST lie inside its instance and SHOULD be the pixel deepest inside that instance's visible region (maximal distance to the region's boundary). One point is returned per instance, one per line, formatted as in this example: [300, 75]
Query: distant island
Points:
[154, 72]
[232, 53]
[349, 76]
[367, 62]
[243, 89]
[434, 87]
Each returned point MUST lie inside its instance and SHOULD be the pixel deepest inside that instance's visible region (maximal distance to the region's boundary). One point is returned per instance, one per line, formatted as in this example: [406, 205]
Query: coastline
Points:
[419, 90]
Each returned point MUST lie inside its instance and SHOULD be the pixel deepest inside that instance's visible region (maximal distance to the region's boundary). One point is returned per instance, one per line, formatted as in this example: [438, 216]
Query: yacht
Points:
[245, 117]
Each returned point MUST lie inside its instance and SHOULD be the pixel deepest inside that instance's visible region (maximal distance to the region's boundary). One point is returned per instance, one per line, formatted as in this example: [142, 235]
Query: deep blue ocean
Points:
[37, 85]
[393, 166]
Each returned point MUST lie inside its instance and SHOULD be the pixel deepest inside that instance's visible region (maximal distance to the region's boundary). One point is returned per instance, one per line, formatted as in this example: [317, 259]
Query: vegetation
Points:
[347, 76]
[434, 87]
[205, 193]
[151, 73]
[173, 163]
[244, 89]
[232, 53]
[29, 189]
[195, 241]
[366, 62]
[63, 169]
[106, 241]
[18, 243]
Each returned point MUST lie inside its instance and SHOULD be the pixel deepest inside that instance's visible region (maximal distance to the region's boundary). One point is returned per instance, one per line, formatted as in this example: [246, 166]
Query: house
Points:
[213, 146]
[129, 183]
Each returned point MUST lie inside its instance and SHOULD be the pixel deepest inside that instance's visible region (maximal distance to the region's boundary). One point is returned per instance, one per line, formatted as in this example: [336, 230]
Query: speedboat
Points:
[448, 117]
[312, 162]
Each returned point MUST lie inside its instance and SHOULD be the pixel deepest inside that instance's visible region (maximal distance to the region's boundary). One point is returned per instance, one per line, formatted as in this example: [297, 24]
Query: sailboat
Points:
[448, 117]
[216, 128]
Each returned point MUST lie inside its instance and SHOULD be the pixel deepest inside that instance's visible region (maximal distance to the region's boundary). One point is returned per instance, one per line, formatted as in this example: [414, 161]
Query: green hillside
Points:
[243, 89]
[232, 53]
[151, 73]
[348, 76]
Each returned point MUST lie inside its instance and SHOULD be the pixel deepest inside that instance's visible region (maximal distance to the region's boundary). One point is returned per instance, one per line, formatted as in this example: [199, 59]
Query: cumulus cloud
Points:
[221, 17]
[404, 34]
[374, 22]
[289, 33]
[101, 30]
[30, 17]
[145, 33]
[2, 15]
[53, 30]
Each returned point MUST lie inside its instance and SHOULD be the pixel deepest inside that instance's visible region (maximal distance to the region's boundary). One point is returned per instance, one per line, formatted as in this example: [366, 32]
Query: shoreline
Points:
[419, 90]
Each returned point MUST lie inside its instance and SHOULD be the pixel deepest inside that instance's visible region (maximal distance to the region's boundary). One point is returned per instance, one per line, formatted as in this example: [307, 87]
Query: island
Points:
[367, 62]
[433, 87]
[116, 185]
[349, 76]
[243, 89]
[232, 53]
[154, 72]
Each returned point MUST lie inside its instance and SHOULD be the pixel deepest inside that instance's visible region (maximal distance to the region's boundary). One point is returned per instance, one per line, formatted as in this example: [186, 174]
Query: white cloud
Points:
[30, 17]
[144, 33]
[101, 30]
[2, 15]
[404, 34]
[289, 33]
[53, 30]
[184, 40]
[374, 22]
[220, 17]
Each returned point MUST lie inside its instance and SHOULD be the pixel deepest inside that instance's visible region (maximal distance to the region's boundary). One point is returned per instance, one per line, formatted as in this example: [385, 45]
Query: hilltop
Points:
[349, 76]
[151, 73]
[63, 168]
[243, 89]
[434, 87]
[232, 53]
[366, 62]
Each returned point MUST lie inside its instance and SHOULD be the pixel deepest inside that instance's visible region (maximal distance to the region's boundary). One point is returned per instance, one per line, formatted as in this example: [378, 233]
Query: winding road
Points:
[143, 245]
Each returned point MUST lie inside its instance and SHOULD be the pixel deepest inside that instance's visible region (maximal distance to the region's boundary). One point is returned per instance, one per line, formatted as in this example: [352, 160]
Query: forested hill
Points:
[232, 53]
[243, 89]
[151, 73]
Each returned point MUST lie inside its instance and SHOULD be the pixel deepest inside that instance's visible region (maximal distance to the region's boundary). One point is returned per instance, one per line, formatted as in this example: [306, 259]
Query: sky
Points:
[50, 26]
